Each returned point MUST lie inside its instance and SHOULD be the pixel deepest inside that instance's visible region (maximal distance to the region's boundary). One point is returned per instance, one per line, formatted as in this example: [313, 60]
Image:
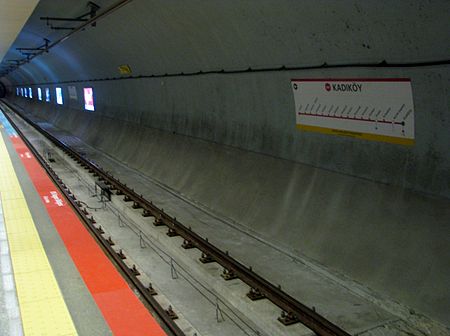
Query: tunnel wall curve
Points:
[389, 238]
[255, 111]
[377, 212]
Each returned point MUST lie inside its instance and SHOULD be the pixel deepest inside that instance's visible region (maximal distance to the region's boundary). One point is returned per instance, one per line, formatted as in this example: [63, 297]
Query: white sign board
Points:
[73, 92]
[374, 109]
[89, 99]
[59, 96]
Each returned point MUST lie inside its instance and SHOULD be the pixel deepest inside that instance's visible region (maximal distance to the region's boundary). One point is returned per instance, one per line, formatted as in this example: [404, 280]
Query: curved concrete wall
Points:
[377, 212]
[392, 240]
[157, 37]
[255, 112]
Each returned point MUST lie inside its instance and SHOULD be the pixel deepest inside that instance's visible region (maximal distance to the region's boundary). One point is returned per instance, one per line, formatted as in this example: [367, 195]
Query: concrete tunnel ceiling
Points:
[253, 49]
[183, 36]
[13, 16]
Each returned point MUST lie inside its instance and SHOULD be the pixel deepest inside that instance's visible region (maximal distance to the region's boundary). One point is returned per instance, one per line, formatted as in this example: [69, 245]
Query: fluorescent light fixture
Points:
[21, 92]
[47, 95]
[25, 90]
[30, 93]
[59, 96]
[89, 99]
[17, 91]
[39, 90]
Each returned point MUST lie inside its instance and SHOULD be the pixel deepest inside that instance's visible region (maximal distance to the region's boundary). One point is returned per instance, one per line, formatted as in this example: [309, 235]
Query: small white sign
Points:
[59, 96]
[47, 95]
[372, 109]
[89, 99]
[73, 92]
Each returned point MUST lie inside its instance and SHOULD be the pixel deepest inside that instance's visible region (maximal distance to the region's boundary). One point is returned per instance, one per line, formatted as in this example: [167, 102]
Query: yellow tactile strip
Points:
[42, 306]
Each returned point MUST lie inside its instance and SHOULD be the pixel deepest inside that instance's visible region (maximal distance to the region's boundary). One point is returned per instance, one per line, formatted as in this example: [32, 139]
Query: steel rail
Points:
[292, 308]
[117, 257]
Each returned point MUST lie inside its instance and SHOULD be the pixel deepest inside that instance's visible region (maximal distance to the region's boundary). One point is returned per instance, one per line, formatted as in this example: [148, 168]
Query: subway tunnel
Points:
[264, 167]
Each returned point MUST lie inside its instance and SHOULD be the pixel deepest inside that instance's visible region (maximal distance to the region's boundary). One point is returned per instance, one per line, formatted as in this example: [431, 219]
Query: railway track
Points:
[292, 311]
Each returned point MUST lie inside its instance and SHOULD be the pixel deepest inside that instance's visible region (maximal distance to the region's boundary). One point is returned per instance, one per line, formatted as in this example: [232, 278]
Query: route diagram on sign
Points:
[370, 109]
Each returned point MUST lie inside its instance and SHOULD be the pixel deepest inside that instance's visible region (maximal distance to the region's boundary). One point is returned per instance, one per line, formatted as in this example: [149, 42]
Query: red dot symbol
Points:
[327, 86]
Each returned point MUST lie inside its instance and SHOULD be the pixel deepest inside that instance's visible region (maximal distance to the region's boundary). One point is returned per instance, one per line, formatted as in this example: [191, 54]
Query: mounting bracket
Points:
[93, 8]
[43, 47]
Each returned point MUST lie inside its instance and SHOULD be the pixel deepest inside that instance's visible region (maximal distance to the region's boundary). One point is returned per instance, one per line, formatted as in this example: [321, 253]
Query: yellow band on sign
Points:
[365, 136]
[42, 307]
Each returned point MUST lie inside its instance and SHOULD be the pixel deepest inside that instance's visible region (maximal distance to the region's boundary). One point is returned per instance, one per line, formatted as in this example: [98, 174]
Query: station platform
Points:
[55, 278]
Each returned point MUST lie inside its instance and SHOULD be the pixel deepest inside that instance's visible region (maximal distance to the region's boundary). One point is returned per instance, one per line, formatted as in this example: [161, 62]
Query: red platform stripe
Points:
[122, 310]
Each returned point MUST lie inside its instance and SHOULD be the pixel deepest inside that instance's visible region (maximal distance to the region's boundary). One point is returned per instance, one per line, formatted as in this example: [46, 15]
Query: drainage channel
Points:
[292, 311]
